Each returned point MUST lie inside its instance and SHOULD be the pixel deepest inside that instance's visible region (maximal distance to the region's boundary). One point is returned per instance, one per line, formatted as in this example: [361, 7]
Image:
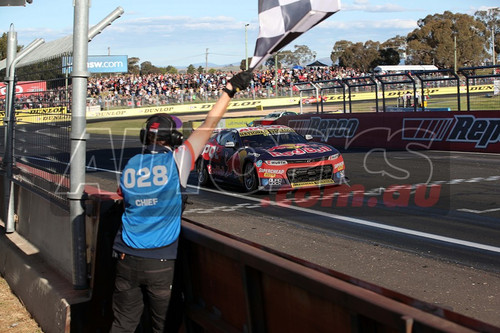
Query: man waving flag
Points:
[281, 21]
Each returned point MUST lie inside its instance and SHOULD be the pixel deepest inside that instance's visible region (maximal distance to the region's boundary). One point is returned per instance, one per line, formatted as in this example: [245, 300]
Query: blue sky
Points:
[178, 33]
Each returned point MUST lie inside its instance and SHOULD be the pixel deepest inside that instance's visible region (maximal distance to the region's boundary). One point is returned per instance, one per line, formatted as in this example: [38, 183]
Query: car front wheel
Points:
[203, 175]
[250, 178]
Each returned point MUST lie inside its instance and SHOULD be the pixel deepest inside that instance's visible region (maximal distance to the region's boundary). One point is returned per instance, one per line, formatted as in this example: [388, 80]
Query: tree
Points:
[3, 46]
[433, 42]
[285, 57]
[243, 63]
[148, 68]
[388, 56]
[304, 54]
[200, 69]
[133, 65]
[360, 56]
[397, 43]
[339, 48]
[190, 69]
[171, 70]
[491, 19]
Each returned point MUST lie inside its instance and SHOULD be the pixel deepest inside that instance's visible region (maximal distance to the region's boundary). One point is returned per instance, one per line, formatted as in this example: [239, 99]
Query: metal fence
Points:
[472, 89]
[40, 136]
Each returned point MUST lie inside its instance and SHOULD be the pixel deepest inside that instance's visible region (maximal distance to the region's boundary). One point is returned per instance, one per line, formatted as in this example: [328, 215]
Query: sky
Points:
[180, 33]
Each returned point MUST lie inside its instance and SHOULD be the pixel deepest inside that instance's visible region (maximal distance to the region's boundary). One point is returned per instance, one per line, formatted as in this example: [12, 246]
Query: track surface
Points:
[424, 223]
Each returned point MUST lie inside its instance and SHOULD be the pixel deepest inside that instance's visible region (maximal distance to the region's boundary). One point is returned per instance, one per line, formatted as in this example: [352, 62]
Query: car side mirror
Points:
[230, 144]
[309, 137]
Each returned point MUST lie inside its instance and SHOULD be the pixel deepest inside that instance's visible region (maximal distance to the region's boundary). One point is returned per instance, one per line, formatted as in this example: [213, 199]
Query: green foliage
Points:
[360, 56]
[3, 46]
[243, 63]
[171, 70]
[191, 69]
[491, 19]
[338, 49]
[388, 56]
[433, 42]
[133, 65]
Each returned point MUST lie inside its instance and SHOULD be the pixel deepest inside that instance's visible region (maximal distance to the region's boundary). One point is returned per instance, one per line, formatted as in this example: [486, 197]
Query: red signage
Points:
[25, 88]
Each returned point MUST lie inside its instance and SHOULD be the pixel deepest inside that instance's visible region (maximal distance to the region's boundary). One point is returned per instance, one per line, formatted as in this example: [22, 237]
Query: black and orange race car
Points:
[270, 157]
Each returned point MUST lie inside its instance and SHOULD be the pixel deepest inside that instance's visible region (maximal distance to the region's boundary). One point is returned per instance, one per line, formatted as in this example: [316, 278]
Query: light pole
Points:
[246, 46]
[491, 13]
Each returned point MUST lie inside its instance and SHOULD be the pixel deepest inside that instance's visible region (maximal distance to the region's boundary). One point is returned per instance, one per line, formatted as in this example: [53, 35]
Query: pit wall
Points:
[228, 284]
[477, 131]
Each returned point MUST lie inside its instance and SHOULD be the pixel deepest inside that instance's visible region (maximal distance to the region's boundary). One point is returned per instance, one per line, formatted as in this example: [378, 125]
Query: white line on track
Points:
[478, 211]
[364, 222]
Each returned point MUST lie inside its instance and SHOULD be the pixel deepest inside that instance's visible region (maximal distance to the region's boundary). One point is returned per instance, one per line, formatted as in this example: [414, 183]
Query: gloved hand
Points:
[239, 82]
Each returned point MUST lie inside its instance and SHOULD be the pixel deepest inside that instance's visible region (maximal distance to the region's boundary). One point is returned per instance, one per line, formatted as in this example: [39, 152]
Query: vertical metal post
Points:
[455, 51]
[468, 92]
[12, 59]
[9, 131]
[246, 46]
[383, 98]
[78, 138]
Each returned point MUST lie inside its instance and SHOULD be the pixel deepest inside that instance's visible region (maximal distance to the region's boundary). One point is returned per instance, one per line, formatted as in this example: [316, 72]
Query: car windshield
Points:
[271, 140]
[273, 115]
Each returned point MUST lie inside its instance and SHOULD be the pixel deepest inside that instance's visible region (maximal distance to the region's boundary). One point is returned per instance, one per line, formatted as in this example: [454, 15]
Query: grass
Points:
[127, 127]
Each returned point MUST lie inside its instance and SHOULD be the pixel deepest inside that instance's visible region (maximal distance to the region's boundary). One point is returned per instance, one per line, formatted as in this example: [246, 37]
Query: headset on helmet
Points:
[164, 128]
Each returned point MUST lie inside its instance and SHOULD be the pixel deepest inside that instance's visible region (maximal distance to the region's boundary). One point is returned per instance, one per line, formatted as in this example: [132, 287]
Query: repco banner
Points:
[460, 131]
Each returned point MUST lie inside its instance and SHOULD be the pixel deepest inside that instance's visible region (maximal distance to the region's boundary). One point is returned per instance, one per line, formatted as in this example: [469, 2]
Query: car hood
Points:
[297, 151]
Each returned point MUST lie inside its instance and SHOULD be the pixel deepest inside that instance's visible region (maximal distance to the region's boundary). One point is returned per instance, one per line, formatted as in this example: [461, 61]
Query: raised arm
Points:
[200, 136]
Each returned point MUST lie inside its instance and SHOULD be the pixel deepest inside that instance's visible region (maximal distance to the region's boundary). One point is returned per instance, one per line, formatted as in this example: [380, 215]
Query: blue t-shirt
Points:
[151, 192]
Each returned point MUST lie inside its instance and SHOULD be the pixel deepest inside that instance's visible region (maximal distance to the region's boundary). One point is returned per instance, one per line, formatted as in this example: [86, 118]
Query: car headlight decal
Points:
[276, 162]
[334, 156]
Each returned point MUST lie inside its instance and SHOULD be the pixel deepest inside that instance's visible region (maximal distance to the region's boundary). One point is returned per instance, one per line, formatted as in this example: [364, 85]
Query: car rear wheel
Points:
[250, 178]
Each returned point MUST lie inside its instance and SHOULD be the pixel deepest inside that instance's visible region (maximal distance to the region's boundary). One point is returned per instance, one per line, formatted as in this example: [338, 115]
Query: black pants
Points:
[136, 279]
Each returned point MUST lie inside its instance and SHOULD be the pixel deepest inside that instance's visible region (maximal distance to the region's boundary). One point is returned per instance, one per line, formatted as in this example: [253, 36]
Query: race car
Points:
[270, 118]
[273, 157]
[313, 99]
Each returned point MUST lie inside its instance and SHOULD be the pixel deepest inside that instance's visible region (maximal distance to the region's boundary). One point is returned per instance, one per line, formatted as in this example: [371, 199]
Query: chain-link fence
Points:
[40, 137]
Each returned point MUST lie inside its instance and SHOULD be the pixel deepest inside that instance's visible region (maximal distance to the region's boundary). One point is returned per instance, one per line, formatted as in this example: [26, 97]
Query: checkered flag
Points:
[281, 21]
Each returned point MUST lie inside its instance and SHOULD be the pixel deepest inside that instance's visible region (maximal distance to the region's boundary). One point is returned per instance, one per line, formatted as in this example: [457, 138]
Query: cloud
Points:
[367, 25]
[181, 23]
[363, 5]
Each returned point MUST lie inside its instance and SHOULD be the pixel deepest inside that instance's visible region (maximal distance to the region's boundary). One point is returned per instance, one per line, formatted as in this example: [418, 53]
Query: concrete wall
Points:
[47, 227]
[36, 260]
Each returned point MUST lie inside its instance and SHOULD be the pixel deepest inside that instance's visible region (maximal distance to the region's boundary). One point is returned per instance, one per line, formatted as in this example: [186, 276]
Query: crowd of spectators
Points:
[160, 89]
[129, 90]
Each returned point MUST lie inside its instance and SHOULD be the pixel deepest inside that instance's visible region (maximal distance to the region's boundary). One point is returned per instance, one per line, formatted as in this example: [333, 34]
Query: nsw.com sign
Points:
[100, 64]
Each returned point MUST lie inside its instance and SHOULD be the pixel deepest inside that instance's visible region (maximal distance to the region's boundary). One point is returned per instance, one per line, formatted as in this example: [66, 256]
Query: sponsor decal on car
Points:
[339, 166]
[273, 171]
[277, 129]
[313, 183]
[298, 151]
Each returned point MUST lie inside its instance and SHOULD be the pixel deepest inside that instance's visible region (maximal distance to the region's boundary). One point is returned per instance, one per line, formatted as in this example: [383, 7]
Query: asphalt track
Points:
[424, 223]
